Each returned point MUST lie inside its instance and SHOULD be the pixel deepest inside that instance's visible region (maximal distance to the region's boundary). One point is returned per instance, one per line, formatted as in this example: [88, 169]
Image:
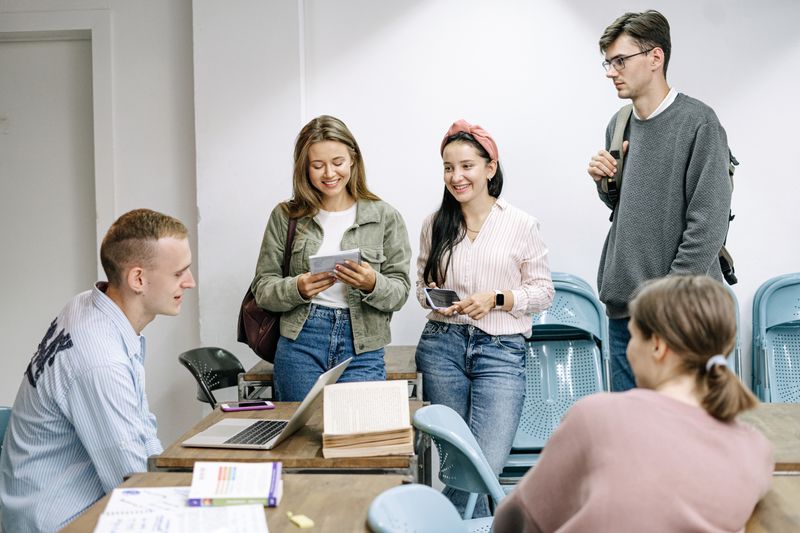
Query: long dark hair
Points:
[448, 227]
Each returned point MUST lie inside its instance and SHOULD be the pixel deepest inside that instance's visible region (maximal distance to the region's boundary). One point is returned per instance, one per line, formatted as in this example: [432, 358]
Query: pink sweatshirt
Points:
[641, 461]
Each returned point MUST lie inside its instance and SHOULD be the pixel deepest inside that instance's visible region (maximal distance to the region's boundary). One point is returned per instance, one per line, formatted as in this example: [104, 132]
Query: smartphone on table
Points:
[250, 405]
[441, 298]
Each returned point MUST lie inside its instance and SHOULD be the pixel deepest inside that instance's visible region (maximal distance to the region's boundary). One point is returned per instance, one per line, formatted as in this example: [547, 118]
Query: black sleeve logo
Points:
[46, 352]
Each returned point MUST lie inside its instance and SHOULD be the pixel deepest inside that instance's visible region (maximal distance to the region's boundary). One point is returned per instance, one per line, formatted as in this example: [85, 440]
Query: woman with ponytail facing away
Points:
[667, 456]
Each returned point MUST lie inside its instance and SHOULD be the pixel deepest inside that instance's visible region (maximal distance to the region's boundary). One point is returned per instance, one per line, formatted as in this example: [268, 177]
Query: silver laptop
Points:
[264, 434]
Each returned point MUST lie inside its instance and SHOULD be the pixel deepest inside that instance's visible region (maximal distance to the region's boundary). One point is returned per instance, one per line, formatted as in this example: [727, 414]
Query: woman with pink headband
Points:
[472, 353]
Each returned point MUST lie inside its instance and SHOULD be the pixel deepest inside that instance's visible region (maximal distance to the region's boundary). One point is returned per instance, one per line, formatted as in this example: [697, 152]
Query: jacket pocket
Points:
[373, 256]
[298, 263]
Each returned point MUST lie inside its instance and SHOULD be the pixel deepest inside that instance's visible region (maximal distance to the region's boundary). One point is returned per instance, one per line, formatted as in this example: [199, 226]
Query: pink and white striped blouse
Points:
[507, 254]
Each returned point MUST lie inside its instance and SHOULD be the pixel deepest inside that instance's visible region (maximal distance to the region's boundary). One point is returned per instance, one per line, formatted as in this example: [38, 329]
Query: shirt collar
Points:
[665, 103]
[134, 344]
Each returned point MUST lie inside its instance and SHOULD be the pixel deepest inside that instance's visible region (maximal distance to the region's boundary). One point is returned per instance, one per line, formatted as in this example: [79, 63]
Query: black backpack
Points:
[612, 186]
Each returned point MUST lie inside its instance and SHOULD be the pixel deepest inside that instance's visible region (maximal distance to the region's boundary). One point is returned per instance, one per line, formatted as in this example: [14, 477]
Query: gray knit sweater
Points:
[672, 216]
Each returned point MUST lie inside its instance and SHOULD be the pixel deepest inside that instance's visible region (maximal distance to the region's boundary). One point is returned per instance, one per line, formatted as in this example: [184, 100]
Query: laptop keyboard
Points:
[261, 432]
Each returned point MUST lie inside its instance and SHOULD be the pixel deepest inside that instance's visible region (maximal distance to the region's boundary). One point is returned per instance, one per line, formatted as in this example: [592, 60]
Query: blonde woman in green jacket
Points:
[328, 317]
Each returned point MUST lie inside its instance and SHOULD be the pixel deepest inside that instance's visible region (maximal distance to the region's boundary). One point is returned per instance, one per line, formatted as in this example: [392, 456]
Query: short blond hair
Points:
[696, 317]
[132, 239]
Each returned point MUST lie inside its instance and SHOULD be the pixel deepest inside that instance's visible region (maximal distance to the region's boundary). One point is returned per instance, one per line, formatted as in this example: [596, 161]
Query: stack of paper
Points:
[236, 484]
[366, 419]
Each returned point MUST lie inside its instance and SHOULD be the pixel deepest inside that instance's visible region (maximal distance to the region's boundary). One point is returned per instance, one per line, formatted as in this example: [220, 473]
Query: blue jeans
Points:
[618, 336]
[482, 378]
[325, 340]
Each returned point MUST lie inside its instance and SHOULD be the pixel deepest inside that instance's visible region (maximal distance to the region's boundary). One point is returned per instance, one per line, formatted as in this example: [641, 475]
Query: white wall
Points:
[399, 73]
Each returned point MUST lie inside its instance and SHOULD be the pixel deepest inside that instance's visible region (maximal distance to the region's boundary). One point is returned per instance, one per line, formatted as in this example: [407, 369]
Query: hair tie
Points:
[716, 360]
[480, 135]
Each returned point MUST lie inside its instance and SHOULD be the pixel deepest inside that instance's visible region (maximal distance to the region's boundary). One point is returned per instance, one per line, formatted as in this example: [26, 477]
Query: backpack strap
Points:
[612, 185]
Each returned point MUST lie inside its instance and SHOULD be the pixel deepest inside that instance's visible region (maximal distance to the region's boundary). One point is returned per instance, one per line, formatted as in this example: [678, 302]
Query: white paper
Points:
[327, 263]
[235, 519]
[147, 499]
[366, 406]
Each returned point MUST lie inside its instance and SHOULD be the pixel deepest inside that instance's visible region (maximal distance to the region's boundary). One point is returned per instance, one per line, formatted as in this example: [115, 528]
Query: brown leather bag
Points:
[259, 328]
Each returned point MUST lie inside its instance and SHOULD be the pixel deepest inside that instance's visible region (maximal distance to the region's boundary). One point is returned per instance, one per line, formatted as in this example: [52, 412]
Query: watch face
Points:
[499, 299]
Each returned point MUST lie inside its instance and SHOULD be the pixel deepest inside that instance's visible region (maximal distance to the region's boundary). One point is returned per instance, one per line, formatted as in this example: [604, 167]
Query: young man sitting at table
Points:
[81, 420]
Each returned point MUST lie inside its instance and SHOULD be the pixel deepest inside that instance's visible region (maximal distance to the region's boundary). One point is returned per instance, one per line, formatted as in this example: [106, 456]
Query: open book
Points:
[366, 419]
[236, 484]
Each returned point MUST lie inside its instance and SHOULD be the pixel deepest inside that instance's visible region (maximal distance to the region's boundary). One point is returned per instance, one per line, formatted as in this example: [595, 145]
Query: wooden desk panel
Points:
[780, 508]
[301, 451]
[320, 497]
[400, 364]
[780, 423]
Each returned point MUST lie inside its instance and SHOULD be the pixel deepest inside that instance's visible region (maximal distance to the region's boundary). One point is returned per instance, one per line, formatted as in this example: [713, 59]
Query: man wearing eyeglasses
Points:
[671, 214]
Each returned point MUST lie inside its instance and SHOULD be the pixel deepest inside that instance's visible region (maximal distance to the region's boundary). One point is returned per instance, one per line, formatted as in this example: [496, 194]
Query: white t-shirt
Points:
[334, 224]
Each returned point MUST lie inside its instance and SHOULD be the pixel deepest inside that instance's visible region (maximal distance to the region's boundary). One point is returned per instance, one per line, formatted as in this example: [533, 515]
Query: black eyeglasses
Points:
[619, 62]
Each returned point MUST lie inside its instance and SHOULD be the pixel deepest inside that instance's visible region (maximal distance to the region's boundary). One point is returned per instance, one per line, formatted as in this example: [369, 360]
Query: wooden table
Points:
[400, 364]
[780, 423]
[300, 453]
[321, 498]
[780, 508]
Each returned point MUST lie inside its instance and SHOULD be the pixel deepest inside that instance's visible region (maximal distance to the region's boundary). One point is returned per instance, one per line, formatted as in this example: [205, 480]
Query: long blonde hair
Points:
[696, 317]
[306, 200]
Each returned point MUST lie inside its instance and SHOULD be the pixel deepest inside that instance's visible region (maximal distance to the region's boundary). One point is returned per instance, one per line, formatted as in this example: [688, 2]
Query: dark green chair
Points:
[213, 368]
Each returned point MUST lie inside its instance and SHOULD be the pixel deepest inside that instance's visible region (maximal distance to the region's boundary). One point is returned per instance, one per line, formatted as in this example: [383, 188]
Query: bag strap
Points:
[612, 185]
[287, 251]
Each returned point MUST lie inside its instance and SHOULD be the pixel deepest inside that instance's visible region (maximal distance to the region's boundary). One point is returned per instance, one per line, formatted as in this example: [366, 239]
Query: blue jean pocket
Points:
[513, 343]
[433, 328]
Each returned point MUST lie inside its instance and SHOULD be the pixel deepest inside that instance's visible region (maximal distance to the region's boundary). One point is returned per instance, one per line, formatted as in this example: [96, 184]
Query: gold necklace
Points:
[473, 230]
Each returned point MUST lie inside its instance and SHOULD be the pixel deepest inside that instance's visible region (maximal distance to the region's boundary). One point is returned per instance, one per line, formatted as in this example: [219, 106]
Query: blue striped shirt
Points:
[80, 421]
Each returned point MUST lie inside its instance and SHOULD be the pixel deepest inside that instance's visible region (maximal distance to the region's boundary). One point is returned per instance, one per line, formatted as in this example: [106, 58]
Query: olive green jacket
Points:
[380, 233]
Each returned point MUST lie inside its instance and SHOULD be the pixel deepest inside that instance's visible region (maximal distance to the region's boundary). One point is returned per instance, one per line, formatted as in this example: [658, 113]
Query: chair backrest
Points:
[736, 355]
[5, 416]
[213, 368]
[565, 360]
[575, 310]
[776, 339]
[557, 374]
[462, 464]
[413, 508]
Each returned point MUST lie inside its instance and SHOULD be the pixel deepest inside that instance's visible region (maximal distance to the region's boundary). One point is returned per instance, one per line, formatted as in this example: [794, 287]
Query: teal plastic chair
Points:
[735, 357]
[462, 464]
[567, 359]
[419, 509]
[212, 368]
[5, 416]
[776, 340]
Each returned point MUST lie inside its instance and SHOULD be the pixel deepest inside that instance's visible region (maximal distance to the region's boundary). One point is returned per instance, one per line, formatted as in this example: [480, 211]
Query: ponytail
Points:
[724, 394]
[696, 318]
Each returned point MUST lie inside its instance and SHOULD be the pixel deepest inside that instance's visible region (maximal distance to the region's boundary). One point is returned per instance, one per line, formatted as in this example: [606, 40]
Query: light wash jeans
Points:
[325, 340]
[482, 378]
[618, 337]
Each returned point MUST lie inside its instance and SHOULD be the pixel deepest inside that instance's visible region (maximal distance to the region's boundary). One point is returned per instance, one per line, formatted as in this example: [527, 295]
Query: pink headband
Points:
[480, 134]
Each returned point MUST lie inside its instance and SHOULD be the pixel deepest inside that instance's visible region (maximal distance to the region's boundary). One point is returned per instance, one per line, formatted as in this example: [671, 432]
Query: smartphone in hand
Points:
[251, 405]
[441, 298]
